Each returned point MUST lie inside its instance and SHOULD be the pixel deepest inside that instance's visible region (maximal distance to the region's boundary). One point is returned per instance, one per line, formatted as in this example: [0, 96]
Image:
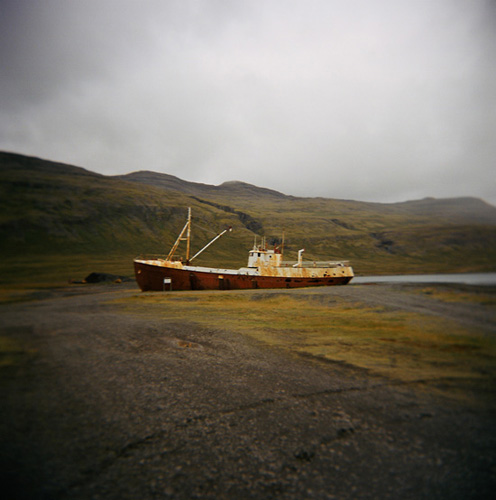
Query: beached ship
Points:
[265, 269]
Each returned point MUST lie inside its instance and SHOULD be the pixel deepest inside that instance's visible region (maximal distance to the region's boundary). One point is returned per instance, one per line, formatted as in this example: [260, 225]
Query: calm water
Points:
[462, 278]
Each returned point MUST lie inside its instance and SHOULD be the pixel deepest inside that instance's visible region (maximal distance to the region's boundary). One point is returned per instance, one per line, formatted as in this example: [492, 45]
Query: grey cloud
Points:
[382, 101]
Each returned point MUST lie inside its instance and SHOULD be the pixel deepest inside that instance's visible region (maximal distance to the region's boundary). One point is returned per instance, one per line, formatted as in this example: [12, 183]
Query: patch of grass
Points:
[453, 295]
[11, 351]
[402, 345]
[17, 295]
[58, 269]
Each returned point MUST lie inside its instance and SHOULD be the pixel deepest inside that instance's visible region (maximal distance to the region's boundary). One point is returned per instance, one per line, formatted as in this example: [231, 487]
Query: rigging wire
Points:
[204, 228]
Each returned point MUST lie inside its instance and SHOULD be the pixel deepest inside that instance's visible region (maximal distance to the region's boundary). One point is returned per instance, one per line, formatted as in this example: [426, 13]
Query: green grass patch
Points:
[59, 269]
[12, 352]
[453, 295]
[401, 345]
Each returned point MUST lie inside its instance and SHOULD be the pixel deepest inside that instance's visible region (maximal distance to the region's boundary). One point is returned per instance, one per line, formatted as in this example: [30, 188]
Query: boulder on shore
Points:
[105, 278]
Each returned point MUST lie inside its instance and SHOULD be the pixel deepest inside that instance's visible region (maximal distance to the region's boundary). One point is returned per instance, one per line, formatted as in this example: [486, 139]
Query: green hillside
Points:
[59, 221]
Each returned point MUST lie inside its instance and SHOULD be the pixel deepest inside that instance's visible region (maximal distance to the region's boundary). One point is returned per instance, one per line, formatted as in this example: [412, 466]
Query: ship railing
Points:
[148, 256]
[320, 263]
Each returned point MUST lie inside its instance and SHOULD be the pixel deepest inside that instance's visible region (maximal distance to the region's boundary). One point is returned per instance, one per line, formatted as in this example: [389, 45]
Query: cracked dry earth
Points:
[112, 406]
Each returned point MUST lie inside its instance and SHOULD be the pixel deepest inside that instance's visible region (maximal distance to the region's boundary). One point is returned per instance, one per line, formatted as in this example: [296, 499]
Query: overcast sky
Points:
[371, 100]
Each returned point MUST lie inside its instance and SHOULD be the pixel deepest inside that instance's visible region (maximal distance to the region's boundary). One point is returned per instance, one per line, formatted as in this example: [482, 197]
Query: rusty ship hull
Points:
[156, 277]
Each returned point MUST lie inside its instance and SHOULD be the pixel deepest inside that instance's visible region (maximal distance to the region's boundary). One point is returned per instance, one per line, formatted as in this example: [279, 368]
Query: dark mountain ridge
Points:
[27, 164]
[468, 208]
[172, 183]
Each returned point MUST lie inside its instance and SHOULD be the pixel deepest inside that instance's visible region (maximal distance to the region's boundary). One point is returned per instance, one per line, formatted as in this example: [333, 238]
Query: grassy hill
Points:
[59, 221]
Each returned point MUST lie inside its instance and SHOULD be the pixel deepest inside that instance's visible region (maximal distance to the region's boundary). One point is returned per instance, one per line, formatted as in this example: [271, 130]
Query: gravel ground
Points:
[105, 405]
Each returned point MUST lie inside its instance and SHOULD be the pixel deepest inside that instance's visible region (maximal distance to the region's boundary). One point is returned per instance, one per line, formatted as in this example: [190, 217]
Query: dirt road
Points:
[98, 404]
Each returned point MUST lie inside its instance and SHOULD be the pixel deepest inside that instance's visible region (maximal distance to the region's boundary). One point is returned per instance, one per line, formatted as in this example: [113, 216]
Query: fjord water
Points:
[484, 279]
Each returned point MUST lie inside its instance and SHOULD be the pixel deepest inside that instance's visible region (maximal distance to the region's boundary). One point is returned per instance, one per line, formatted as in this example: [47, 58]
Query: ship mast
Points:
[188, 235]
[187, 227]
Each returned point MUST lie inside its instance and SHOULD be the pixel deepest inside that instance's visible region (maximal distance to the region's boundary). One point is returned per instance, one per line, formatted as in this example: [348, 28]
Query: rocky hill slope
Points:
[51, 209]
